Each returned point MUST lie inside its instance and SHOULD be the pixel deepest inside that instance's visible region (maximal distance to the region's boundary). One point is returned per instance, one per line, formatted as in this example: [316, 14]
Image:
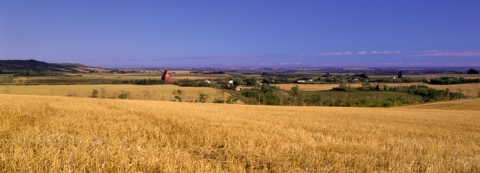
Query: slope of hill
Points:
[470, 104]
[62, 134]
[25, 65]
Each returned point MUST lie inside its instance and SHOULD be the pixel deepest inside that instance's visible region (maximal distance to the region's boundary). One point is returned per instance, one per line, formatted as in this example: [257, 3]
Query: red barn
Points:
[167, 78]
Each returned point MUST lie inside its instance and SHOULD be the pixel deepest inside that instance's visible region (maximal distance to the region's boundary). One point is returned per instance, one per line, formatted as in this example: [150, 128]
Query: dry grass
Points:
[138, 92]
[448, 105]
[64, 134]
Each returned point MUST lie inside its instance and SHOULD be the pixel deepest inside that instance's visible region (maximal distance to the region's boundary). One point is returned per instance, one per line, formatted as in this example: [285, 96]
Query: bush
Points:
[7, 90]
[94, 94]
[123, 94]
[103, 92]
[178, 94]
[472, 71]
[232, 99]
[218, 101]
[202, 98]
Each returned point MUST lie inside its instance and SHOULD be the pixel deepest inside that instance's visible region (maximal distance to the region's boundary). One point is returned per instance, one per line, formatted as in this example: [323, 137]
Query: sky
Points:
[227, 33]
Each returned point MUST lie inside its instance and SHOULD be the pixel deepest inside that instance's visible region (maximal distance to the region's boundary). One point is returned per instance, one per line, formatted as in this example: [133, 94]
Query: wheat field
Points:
[137, 92]
[72, 134]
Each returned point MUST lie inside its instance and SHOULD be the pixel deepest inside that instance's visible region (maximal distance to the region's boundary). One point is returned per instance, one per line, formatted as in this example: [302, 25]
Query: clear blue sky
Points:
[242, 33]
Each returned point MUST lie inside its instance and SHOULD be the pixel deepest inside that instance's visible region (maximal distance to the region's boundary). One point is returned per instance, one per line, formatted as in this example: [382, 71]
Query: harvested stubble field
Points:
[65, 134]
[429, 76]
[137, 92]
[106, 77]
[84, 78]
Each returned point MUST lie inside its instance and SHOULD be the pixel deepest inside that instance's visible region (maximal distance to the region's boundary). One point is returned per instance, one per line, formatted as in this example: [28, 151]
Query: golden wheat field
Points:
[67, 134]
[137, 92]
[106, 77]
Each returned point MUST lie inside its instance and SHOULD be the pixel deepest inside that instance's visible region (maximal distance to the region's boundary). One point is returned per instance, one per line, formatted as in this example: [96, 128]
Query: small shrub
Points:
[218, 101]
[178, 94]
[202, 98]
[232, 99]
[7, 90]
[94, 94]
[103, 92]
[123, 94]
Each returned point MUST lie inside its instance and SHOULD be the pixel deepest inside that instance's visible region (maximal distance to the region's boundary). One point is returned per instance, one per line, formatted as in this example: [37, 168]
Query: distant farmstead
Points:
[167, 77]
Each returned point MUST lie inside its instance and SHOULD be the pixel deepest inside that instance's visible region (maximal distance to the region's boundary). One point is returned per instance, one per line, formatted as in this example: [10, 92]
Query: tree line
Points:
[452, 80]
[273, 95]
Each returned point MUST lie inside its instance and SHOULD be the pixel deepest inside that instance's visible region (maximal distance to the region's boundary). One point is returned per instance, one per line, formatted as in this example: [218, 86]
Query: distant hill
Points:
[25, 65]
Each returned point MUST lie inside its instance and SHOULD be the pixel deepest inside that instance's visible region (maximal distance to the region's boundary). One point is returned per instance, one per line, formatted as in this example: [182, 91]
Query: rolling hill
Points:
[25, 65]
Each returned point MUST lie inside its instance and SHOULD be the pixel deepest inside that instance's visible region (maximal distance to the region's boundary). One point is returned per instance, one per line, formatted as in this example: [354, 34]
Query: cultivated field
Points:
[66, 134]
[84, 78]
[200, 76]
[138, 92]
[313, 87]
[470, 90]
[449, 105]
[103, 77]
[428, 76]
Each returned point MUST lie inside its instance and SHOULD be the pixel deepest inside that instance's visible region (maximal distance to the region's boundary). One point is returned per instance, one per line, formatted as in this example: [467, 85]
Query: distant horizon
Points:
[281, 66]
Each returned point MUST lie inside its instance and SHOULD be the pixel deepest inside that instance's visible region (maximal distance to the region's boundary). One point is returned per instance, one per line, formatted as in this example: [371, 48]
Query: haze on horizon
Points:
[243, 33]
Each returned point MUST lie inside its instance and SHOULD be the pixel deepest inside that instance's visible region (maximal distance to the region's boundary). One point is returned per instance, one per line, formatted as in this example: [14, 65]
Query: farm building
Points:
[239, 88]
[167, 77]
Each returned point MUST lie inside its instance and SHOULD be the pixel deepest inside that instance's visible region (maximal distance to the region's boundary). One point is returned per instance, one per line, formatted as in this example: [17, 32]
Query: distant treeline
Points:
[139, 82]
[192, 83]
[273, 95]
[33, 73]
[452, 80]
[397, 80]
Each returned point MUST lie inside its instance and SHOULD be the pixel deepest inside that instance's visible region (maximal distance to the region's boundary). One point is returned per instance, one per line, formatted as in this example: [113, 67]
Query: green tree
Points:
[237, 81]
[472, 71]
[270, 95]
[400, 74]
[294, 96]
[252, 81]
[31, 73]
[343, 85]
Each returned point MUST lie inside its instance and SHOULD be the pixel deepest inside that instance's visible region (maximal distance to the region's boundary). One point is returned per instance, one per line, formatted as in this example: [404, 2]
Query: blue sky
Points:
[243, 33]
